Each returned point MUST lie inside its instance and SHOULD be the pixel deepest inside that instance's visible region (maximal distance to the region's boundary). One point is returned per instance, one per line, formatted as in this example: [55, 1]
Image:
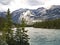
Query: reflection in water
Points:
[43, 36]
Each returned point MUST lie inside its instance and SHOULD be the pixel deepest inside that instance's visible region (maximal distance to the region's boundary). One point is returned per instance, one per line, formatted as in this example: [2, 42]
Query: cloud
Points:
[5, 2]
[30, 4]
[16, 4]
[35, 2]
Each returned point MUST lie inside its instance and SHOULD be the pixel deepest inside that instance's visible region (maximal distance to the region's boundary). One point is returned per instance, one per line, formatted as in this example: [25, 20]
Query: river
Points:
[39, 36]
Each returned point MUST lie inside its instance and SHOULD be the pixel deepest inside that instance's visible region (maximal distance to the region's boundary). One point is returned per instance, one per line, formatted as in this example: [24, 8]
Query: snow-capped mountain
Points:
[53, 12]
[33, 15]
[28, 14]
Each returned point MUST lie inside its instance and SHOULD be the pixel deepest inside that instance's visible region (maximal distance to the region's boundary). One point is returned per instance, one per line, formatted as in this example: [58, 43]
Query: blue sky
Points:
[31, 4]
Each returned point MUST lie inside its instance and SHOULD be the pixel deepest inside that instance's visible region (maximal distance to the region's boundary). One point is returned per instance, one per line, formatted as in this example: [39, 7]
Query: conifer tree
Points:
[7, 33]
[21, 36]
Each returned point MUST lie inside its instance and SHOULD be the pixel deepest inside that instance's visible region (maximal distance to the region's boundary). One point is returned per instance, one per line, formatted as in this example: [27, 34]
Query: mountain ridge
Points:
[39, 14]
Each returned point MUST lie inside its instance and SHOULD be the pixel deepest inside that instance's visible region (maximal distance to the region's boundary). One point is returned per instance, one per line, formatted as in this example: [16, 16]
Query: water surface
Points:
[40, 36]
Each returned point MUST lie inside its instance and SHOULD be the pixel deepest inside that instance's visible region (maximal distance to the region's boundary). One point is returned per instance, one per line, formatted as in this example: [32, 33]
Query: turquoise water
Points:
[40, 36]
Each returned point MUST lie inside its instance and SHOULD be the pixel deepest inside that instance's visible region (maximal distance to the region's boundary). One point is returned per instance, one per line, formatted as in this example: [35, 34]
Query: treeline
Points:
[7, 35]
[52, 24]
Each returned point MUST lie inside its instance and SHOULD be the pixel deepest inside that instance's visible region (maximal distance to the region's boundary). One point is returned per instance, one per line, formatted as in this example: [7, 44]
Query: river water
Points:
[39, 36]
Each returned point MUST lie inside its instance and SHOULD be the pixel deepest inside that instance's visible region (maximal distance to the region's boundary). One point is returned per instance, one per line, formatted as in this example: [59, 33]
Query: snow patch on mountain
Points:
[27, 16]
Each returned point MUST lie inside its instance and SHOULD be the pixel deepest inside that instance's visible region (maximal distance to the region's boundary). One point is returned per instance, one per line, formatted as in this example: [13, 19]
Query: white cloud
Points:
[16, 4]
[5, 2]
[32, 4]
[35, 2]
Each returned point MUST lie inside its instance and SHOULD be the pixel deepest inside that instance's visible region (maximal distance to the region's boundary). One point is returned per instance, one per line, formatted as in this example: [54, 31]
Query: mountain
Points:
[16, 14]
[31, 15]
[2, 14]
[53, 12]
[28, 13]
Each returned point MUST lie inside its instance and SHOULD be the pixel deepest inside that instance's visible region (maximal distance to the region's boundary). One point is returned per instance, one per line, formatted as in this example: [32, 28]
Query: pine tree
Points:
[21, 36]
[7, 33]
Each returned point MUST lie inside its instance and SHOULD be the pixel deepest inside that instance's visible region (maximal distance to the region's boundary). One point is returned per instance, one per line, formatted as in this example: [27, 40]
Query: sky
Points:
[30, 4]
